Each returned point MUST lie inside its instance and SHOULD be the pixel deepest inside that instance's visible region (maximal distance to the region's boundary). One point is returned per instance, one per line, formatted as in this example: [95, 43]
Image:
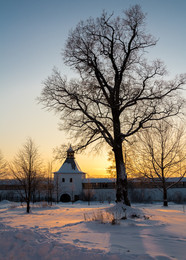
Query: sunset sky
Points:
[32, 36]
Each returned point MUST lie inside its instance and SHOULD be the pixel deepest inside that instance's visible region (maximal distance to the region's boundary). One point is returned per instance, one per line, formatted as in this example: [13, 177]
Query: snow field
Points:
[78, 231]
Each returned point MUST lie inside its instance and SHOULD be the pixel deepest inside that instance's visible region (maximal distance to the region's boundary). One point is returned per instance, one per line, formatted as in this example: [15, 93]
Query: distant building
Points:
[68, 179]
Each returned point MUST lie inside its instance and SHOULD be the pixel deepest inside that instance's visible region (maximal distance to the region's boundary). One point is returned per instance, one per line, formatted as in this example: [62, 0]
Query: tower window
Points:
[70, 179]
[63, 179]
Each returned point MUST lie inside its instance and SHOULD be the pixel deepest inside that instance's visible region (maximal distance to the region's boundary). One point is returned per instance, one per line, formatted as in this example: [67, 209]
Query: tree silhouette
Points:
[26, 169]
[117, 92]
[162, 155]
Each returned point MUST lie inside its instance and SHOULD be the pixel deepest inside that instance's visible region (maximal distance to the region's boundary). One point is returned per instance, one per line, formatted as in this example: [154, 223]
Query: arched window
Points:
[63, 179]
[70, 179]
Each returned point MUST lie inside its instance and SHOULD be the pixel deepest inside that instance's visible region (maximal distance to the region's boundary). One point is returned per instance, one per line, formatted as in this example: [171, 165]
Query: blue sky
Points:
[33, 34]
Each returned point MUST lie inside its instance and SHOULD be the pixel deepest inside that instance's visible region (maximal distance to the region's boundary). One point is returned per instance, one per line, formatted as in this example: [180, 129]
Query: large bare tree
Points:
[161, 155]
[26, 169]
[117, 92]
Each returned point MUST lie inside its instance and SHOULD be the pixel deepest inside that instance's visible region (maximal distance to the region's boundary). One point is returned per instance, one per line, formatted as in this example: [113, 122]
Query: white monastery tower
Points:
[68, 179]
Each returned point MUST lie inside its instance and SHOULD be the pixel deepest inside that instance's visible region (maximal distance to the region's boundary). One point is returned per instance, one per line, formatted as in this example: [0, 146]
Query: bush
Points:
[105, 216]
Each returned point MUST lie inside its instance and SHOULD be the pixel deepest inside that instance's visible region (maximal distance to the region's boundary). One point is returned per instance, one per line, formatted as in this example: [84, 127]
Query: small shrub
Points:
[102, 217]
[44, 204]
[134, 216]
[109, 199]
[13, 206]
[178, 197]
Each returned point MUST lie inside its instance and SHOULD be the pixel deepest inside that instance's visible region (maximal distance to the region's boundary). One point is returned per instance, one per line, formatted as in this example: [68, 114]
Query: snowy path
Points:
[60, 232]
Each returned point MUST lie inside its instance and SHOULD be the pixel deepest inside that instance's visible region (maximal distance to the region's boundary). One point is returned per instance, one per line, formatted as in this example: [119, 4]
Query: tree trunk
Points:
[165, 202]
[121, 182]
[28, 206]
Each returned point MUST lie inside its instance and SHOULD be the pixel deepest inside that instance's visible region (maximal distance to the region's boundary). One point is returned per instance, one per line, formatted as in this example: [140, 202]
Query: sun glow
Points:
[93, 165]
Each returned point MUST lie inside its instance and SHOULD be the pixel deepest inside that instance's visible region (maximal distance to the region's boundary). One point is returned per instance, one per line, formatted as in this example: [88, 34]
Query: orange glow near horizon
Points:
[94, 165]
[93, 168]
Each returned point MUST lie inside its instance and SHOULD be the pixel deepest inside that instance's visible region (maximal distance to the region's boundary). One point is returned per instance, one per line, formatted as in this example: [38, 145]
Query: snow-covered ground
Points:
[68, 232]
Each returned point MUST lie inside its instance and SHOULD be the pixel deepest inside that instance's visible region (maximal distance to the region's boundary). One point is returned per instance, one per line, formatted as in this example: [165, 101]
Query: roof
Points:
[98, 180]
[171, 179]
[110, 180]
[70, 149]
[69, 166]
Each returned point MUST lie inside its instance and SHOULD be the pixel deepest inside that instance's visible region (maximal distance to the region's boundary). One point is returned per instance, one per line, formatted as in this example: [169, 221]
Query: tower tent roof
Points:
[70, 149]
[70, 166]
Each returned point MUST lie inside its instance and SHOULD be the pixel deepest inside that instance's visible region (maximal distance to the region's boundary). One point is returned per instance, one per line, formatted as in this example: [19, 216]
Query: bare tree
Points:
[88, 192]
[56, 187]
[50, 186]
[26, 169]
[117, 92]
[3, 166]
[161, 155]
